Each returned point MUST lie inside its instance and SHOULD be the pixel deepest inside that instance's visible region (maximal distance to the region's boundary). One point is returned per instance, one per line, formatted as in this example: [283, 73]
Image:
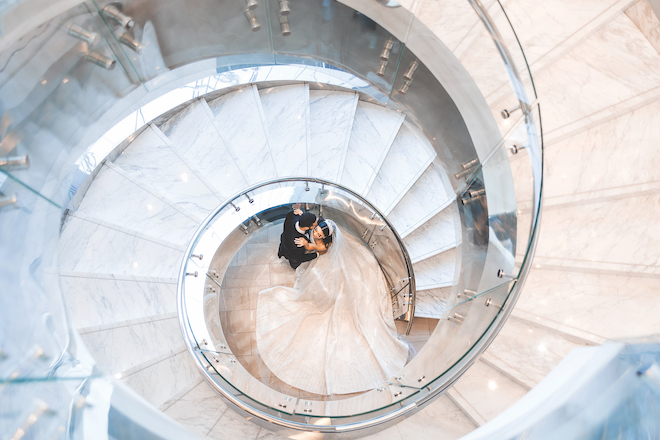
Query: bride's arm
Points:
[319, 247]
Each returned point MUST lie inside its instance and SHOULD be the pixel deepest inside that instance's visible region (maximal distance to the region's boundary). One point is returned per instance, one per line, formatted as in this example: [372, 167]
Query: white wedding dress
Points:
[333, 332]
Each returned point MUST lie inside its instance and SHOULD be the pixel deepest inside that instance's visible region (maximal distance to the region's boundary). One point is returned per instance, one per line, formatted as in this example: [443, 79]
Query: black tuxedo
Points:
[288, 249]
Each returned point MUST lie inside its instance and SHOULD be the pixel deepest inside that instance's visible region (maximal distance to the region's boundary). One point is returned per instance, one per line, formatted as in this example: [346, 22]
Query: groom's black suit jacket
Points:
[288, 248]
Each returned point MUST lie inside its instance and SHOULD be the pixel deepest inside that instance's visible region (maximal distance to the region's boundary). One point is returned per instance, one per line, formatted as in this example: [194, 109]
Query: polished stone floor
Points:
[254, 268]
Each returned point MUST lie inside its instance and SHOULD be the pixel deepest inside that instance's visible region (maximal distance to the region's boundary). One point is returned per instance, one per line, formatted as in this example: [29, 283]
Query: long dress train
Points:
[333, 332]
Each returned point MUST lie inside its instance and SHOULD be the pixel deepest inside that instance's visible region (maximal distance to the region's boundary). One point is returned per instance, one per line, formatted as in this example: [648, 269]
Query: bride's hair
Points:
[328, 229]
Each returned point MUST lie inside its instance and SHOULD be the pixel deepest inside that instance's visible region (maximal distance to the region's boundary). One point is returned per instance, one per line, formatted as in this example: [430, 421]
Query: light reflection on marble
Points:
[86, 246]
[408, 158]
[330, 124]
[160, 381]
[115, 199]
[437, 234]
[246, 140]
[199, 409]
[437, 271]
[531, 351]
[605, 70]
[431, 303]
[149, 159]
[286, 112]
[427, 197]
[441, 420]
[118, 349]
[96, 301]
[609, 306]
[191, 131]
[488, 391]
[373, 133]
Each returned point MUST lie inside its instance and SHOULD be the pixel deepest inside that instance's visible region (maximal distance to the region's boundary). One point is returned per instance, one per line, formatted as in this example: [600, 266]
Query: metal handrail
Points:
[479, 346]
[404, 251]
[182, 313]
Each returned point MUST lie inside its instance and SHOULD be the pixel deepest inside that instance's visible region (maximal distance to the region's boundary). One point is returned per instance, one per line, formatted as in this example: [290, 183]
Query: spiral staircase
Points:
[122, 242]
[143, 207]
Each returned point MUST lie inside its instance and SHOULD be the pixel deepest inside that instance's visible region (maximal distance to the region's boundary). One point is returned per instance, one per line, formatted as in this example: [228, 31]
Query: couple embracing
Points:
[333, 332]
[305, 237]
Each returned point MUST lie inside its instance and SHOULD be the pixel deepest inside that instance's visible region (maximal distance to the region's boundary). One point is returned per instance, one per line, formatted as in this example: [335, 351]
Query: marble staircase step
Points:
[193, 136]
[239, 118]
[286, 117]
[441, 419]
[527, 353]
[374, 129]
[431, 303]
[115, 198]
[433, 237]
[409, 157]
[161, 377]
[331, 115]
[425, 199]
[100, 300]
[201, 411]
[436, 271]
[150, 160]
[92, 245]
[125, 345]
[484, 393]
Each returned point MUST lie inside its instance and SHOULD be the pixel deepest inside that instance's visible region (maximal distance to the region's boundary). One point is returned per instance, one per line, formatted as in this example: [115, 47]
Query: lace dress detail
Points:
[333, 332]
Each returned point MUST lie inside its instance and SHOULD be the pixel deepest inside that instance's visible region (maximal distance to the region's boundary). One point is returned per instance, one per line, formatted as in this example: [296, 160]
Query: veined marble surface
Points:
[440, 420]
[286, 112]
[487, 390]
[543, 26]
[159, 381]
[620, 231]
[437, 271]
[407, 159]
[195, 138]
[426, 198]
[434, 236]
[641, 13]
[239, 118]
[372, 135]
[88, 246]
[114, 198]
[330, 124]
[121, 348]
[617, 154]
[609, 306]
[150, 160]
[199, 409]
[431, 303]
[531, 351]
[604, 70]
[94, 301]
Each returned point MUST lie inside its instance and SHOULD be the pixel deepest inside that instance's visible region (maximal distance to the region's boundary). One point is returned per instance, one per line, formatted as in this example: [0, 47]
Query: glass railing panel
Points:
[312, 29]
[35, 327]
[511, 43]
[50, 87]
[460, 329]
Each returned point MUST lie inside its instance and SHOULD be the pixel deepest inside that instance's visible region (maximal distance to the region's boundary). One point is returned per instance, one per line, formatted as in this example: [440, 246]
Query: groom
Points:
[297, 224]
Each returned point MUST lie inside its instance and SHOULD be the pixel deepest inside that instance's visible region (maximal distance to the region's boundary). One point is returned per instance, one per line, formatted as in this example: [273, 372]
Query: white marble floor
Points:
[254, 268]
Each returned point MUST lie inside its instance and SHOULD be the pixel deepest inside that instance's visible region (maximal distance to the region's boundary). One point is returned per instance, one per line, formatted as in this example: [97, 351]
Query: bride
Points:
[333, 332]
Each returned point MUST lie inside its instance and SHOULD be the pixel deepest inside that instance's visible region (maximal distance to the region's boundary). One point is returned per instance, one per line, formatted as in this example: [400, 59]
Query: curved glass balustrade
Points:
[229, 228]
[59, 97]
